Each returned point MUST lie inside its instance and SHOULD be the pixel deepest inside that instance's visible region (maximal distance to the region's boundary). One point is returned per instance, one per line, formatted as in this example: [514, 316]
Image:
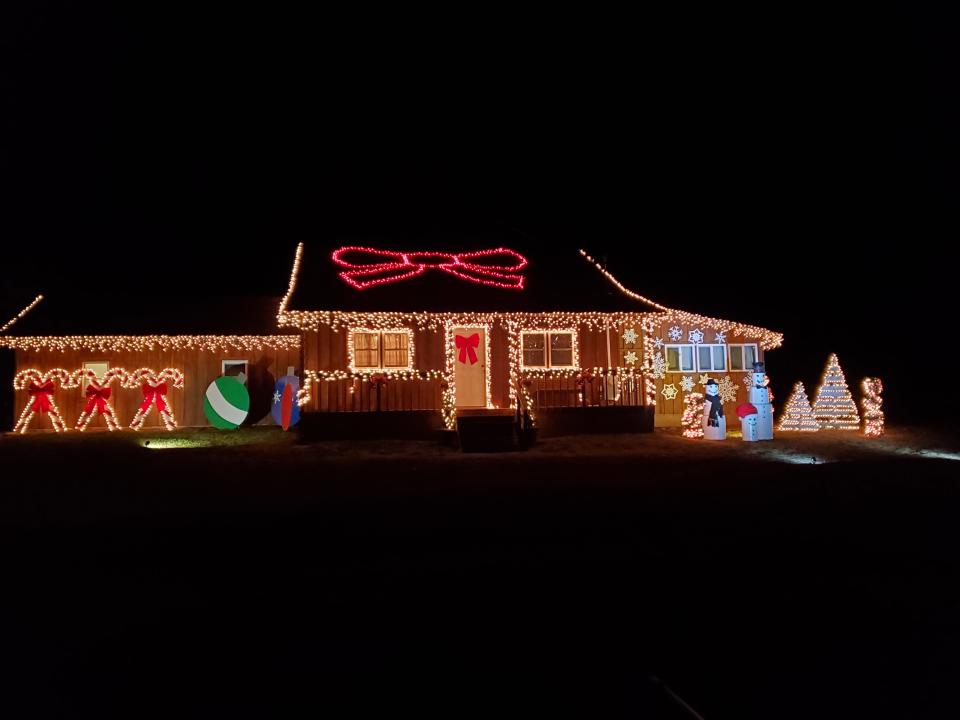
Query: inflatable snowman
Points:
[748, 421]
[759, 397]
[714, 423]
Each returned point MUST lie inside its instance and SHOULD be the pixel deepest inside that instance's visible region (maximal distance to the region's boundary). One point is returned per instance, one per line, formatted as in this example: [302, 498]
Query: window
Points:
[100, 367]
[712, 357]
[235, 368]
[389, 349]
[544, 349]
[742, 357]
[679, 358]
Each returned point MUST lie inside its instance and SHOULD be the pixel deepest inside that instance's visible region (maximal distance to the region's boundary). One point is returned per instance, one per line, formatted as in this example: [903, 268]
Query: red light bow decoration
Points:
[154, 388]
[41, 387]
[367, 267]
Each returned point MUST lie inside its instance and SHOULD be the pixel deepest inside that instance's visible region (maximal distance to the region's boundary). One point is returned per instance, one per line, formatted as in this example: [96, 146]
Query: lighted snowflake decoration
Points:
[695, 336]
[720, 337]
[728, 391]
[675, 333]
[703, 378]
[630, 336]
[658, 366]
[630, 358]
[657, 343]
[686, 383]
[669, 391]
[748, 380]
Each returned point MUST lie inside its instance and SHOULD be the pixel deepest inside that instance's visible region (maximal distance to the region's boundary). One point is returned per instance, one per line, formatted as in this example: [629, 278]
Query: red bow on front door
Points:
[468, 346]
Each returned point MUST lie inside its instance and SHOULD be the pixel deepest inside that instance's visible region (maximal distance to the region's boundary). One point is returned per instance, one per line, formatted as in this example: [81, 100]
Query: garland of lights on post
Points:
[873, 419]
[692, 419]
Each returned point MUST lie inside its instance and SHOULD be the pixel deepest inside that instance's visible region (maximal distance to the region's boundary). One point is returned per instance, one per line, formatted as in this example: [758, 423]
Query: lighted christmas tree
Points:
[872, 414]
[798, 415]
[834, 407]
[692, 419]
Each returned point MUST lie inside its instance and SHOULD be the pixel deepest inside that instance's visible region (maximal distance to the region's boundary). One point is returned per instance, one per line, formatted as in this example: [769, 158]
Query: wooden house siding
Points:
[200, 368]
[325, 351]
[669, 412]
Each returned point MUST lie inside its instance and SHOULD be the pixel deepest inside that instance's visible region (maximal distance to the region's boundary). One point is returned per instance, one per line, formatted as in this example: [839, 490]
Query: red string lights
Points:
[369, 267]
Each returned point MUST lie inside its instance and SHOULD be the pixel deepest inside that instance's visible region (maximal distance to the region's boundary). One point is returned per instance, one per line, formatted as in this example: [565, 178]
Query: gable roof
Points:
[382, 276]
[495, 274]
[88, 314]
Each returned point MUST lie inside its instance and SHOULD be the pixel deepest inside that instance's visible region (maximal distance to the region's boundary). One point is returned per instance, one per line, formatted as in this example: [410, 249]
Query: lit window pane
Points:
[395, 350]
[687, 358]
[366, 350]
[751, 352]
[561, 349]
[534, 350]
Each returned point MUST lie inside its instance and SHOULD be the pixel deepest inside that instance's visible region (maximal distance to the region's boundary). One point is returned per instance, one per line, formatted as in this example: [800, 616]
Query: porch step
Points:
[487, 432]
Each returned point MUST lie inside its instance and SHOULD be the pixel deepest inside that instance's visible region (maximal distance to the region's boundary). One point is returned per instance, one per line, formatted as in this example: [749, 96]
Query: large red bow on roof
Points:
[468, 345]
[366, 267]
[41, 396]
[153, 393]
[97, 398]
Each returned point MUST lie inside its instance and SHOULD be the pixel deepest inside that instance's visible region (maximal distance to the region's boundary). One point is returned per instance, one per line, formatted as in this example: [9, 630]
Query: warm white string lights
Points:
[146, 343]
[41, 386]
[873, 419]
[154, 387]
[19, 315]
[834, 407]
[692, 418]
[798, 415]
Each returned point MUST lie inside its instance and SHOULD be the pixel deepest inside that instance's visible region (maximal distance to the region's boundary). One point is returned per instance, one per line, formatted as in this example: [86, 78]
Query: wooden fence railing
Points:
[363, 395]
[600, 392]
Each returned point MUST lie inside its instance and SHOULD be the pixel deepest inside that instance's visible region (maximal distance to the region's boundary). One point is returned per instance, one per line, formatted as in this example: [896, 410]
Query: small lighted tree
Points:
[798, 415]
[872, 414]
[692, 418]
[834, 407]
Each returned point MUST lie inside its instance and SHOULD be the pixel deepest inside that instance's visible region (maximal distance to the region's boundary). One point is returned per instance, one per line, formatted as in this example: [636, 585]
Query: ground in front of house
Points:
[204, 574]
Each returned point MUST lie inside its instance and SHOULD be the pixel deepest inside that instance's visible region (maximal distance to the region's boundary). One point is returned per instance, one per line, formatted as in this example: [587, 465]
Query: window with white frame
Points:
[679, 358]
[234, 368]
[375, 349]
[548, 349]
[712, 357]
[743, 356]
[99, 367]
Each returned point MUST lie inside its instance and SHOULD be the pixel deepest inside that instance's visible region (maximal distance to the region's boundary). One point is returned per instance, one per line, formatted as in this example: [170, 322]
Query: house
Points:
[442, 332]
[391, 339]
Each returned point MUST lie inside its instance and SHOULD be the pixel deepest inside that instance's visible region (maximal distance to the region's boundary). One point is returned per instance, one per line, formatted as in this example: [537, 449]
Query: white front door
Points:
[470, 359]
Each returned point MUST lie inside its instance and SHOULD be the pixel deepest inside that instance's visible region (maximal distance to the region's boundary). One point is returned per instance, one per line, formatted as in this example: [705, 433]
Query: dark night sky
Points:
[789, 148]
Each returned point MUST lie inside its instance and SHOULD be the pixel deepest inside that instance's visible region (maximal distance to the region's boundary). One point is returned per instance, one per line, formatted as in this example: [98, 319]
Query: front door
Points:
[470, 356]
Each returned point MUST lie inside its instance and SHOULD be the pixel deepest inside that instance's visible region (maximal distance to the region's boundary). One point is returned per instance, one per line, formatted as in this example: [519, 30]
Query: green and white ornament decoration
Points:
[226, 403]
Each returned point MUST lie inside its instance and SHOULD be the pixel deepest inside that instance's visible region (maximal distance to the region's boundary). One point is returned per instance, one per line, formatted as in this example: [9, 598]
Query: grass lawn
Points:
[246, 575]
